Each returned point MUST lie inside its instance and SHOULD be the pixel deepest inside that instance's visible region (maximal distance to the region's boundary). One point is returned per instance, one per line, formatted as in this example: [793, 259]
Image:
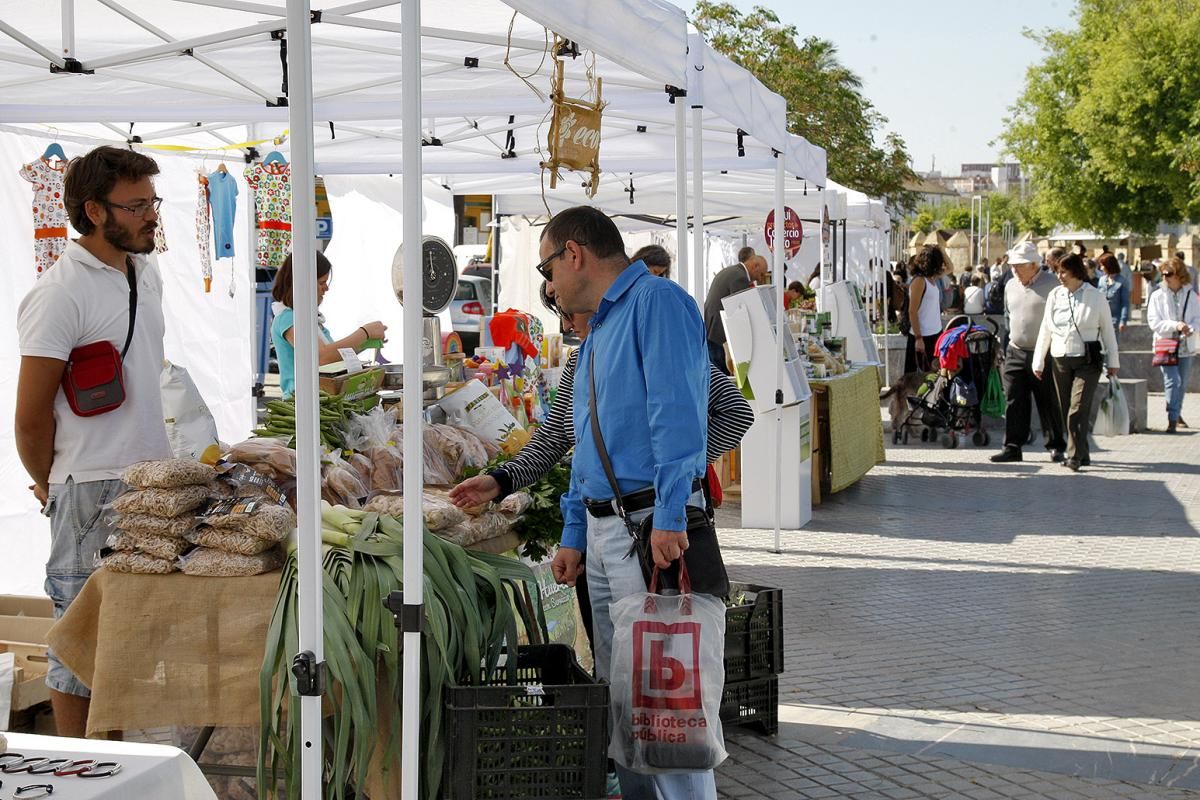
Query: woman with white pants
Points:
[1174, 313]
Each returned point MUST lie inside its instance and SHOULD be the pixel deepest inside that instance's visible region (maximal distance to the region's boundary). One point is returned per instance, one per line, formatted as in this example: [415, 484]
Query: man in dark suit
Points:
[751, 268]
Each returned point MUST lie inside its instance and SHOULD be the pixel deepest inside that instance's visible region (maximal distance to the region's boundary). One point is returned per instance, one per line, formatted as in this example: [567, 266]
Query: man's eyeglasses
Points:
[138, 209]
[543, 267]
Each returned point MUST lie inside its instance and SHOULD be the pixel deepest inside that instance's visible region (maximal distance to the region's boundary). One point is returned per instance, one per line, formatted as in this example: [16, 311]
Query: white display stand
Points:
[749, 318]
[770, 447]
[758, 469]
[849, 318]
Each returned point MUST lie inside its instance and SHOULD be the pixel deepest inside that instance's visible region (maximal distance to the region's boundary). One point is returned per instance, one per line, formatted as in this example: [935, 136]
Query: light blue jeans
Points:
[79, 527]
[1175, 384]
[611, 576]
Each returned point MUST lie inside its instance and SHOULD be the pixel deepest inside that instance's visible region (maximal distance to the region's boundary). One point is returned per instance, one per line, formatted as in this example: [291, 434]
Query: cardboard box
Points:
[16, 605]
[354, 386]
[29, 678]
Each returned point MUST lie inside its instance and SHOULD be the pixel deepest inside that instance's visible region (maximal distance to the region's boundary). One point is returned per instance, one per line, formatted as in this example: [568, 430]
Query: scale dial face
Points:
[439, 275]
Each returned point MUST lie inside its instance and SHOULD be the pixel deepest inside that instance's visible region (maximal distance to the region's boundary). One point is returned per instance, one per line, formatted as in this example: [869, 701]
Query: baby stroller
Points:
[949, 400]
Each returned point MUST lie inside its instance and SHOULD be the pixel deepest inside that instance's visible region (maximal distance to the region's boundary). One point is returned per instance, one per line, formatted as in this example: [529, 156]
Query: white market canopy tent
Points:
[191, 72]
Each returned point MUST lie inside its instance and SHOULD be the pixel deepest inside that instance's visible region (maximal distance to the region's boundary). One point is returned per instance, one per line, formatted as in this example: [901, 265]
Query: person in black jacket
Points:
[750, 269]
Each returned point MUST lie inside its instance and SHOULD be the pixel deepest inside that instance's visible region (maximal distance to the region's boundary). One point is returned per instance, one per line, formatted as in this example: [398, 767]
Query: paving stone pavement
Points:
[957, 628]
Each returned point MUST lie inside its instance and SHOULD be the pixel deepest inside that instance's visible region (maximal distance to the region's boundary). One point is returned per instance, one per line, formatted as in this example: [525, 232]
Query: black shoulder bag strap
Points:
[601, 450]
[131, 275]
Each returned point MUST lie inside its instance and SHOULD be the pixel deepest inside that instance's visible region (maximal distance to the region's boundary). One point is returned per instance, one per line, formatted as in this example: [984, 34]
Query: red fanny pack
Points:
[94, 379]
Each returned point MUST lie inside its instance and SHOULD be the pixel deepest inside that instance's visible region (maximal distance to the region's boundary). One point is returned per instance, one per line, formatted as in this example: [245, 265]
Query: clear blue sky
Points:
[943, 73]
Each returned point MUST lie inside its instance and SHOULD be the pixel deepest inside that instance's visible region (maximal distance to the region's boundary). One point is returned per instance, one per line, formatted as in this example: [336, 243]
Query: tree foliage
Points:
[824, 98]
[1109, 122]
[957, 218]
[956, 215]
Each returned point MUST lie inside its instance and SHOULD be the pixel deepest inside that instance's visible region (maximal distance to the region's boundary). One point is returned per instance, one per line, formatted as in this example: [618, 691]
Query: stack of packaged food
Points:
[156, 513]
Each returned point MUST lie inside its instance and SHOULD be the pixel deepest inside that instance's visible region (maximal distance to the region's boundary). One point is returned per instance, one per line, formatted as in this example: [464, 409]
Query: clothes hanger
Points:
[275, 157]
[54, 151]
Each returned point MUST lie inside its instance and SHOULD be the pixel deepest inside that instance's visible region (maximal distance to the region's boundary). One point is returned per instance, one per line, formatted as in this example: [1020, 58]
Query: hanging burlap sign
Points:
[574, 140]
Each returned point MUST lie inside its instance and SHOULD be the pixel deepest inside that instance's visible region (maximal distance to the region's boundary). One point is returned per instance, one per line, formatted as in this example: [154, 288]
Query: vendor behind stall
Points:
[283, 333]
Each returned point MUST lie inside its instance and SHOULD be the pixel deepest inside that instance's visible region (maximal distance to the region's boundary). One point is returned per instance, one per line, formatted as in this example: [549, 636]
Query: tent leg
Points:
[781, 329]
[308, 446]
[410, 44]
[699, 289]
[681, 227]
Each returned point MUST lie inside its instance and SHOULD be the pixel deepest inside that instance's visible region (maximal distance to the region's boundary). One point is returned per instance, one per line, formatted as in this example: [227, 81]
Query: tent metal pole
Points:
[410, 43]
[433, 33]
[208, 62]
[308, 445]
[45, 53]
[698, 259]
[252, 260]
[681, 226]
[238, 5]
[781, 329]
[68, 28]
[179, 46]
[365, 5]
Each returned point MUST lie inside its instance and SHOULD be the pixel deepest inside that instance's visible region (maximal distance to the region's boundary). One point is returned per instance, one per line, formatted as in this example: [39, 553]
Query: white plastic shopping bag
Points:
[1113, 419]
[668, 671]
[191, 429]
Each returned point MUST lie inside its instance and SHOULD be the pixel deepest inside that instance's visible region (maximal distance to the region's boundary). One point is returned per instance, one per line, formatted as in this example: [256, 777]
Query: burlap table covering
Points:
[173, 649]
[855, 425]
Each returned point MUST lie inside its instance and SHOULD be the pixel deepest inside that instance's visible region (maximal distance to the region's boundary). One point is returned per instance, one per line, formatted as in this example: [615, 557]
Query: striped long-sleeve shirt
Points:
[729, 417]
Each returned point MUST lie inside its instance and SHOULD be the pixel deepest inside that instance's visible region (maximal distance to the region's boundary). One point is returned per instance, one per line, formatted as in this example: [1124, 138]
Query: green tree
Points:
[1109, 122]
[1020, 212]
[922, 222]
[957, 218]
[824, 98]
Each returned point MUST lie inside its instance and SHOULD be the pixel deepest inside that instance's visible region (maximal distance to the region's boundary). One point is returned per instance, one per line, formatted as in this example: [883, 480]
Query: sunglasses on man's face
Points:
[543, 266]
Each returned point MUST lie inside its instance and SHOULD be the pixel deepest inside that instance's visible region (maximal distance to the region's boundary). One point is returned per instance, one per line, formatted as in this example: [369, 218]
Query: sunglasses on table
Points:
[543, 266]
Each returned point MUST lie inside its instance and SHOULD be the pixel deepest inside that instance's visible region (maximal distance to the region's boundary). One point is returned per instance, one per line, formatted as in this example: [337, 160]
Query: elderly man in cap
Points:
[1024, 305]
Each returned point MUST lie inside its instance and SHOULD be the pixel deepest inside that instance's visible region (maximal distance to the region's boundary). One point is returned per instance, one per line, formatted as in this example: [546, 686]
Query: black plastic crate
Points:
[545, 737]
[754, 633]
[752, 704]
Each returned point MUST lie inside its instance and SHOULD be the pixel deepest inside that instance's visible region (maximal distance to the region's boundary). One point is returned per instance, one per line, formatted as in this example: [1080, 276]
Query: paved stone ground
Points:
[957, 628]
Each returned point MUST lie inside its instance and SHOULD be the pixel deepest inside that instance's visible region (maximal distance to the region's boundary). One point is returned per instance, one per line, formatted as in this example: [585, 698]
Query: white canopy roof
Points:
[195, 72]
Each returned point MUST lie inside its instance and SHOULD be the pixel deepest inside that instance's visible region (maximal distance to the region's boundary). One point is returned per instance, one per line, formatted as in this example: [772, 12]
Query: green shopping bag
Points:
[993, 399]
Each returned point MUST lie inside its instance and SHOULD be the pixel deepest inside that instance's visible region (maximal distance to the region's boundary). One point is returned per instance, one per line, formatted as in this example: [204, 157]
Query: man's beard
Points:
[123, 240]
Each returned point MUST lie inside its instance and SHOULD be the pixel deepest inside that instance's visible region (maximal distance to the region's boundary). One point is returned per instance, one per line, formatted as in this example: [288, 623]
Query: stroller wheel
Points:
[895, 437]
[906, 436]
[950, 440]
[924, 434]
[979, 438]
[986, 438]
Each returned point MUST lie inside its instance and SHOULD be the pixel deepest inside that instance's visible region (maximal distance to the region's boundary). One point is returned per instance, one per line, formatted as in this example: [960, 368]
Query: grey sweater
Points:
[1024, 306]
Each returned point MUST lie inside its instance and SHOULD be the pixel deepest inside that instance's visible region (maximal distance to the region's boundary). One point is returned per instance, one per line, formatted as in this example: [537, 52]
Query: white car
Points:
[472, 302]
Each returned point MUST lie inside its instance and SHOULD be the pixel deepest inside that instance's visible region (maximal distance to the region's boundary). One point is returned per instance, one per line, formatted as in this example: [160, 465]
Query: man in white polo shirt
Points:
[76, 461]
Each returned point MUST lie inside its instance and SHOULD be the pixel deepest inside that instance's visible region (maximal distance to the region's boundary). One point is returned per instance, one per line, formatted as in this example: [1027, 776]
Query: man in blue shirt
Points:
[647, 346]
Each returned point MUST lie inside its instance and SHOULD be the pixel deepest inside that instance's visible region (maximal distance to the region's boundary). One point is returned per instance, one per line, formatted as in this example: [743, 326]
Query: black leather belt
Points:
[634, 501]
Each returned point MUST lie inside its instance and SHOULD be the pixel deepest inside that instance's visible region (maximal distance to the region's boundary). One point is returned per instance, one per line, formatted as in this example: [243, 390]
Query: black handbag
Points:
[705, 566]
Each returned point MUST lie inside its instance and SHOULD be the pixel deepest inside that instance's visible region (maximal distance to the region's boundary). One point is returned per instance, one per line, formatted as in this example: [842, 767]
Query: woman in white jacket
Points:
[1076, 327]
[1174, 313]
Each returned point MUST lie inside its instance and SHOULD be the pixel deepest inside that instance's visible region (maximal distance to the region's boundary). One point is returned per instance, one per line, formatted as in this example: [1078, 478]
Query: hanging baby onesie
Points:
[222, 200]
[49, 215]
[204, 231]
[272, 187]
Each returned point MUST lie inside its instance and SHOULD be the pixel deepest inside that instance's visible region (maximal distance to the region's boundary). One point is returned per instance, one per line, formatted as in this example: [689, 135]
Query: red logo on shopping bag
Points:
[665, 659]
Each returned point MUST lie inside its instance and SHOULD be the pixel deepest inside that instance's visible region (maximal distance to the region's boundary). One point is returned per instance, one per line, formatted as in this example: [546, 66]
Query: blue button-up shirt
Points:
[651, 397]
[1116, 291]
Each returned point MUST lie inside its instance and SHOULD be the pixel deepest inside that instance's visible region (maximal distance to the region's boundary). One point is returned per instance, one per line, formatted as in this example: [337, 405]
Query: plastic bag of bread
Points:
[245, 481]
[166, 547]
[149, 525]
[438, 470]
[229, 541]
[162, 502]
[254, 517]
[440, 514]
[270, 453]
[515, 504]
[486, 526]
[169, 473]
[390, 504]
[141, 563]
[219, 564]
[340, 485]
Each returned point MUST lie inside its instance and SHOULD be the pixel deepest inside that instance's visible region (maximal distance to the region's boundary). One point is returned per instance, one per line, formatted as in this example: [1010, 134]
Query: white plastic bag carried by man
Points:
[668, 672]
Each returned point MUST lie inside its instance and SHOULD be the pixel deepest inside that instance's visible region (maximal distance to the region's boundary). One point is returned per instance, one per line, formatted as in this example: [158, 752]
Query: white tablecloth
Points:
[147, 770]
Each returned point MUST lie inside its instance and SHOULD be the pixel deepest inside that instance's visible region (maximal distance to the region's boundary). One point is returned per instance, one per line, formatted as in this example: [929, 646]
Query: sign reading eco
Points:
[793, 232]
